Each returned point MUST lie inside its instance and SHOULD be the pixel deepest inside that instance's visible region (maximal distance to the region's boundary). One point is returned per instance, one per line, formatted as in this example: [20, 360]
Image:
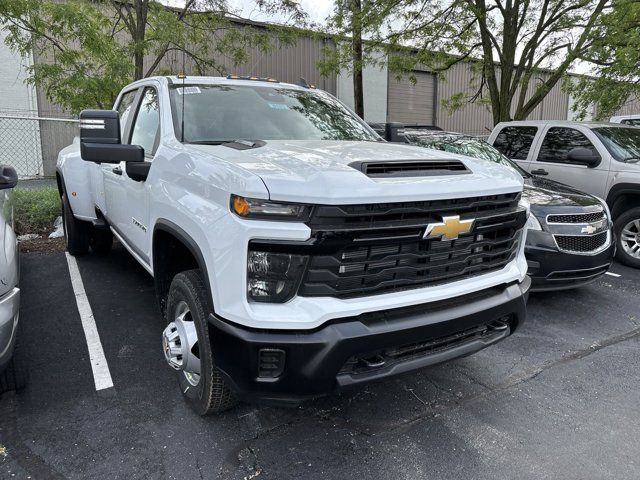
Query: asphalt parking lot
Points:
[559, 399]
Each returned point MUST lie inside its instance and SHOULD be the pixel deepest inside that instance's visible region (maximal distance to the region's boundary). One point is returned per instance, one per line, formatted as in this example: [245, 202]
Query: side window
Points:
[634, 122]
[559, 141]
[146, 126]
[125, 107]
[515, 142]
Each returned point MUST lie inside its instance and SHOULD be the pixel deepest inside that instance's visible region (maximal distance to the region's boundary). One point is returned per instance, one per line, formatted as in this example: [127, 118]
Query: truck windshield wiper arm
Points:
[209, 142]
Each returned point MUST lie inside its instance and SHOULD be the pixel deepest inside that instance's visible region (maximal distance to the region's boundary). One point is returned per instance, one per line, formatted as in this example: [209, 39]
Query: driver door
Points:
[129, 197]
[110, 200]
[552, 160]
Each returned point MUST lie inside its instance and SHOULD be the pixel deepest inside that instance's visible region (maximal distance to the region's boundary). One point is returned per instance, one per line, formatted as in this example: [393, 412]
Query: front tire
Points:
[76, 232]
[188, 349]
[627, 229]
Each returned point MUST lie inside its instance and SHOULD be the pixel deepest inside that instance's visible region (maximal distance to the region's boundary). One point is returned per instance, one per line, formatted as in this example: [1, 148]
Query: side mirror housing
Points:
[8, 177]
[394, 132]
[583, 156]
[100, 139]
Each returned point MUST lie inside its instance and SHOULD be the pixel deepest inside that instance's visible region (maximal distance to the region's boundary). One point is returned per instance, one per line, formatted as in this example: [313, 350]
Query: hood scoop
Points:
[411, 168]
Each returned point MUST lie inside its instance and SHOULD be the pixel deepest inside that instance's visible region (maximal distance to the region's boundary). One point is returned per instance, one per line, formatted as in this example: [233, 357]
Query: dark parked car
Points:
[570, 236]
[10, 376]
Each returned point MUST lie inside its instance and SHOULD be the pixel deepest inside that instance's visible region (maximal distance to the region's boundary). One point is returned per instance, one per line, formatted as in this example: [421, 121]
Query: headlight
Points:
[273, 277]
[255, 208]
[533, 223]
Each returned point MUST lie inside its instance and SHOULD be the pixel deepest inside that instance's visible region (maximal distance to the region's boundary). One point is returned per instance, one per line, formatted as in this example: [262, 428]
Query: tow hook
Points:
[375, 361]
[499, 325]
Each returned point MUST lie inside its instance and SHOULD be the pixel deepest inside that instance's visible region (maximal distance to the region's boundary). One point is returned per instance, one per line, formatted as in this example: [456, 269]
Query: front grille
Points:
[576, 218]
[581, 243]
[412, 168]
[371, 249]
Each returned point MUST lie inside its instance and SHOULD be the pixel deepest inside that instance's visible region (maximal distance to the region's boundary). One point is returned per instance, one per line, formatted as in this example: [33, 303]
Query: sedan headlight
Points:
[533, 223]
[273, 277]
[258, 209]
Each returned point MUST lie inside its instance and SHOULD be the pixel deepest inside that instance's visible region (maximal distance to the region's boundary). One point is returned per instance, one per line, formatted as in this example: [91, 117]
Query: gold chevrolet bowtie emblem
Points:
[449, 229]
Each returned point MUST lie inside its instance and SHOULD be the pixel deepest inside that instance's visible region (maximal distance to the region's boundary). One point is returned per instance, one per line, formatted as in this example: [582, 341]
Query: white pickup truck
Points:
[293, 251]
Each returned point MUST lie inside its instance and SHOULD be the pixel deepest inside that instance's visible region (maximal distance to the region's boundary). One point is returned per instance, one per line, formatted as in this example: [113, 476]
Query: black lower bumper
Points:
[551, 269]
[351, 351]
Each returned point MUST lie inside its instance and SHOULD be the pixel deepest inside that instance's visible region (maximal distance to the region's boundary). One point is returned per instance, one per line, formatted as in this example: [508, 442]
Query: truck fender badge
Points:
[139, 225]
[449, 229]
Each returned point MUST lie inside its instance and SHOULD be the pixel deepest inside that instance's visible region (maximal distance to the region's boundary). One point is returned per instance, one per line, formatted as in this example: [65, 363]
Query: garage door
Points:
[409, 103]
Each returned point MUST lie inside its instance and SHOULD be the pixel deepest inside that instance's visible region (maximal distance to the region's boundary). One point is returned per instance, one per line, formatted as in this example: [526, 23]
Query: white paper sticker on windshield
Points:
[279, 106]
[187, 90]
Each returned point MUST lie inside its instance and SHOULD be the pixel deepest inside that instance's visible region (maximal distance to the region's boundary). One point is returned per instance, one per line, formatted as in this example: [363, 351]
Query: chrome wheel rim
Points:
[630, 238]
[180, 344]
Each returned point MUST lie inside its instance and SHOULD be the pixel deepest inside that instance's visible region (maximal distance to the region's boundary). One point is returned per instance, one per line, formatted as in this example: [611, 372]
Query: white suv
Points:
[598, 158]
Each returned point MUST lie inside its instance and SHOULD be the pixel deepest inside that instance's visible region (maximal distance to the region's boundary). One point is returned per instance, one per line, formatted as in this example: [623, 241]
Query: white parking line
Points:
[613, 274]
[101, 374]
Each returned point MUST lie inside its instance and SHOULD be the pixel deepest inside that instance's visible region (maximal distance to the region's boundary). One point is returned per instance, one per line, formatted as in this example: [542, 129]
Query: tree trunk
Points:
[141, 8]
[356, 49]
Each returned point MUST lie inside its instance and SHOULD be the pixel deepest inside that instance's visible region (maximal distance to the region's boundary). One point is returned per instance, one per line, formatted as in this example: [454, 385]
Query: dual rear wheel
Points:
[79, 236]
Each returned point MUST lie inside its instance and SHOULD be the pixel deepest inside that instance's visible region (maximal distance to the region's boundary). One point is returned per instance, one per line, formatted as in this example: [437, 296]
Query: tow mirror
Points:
[583, 156]
[8, 177]
[100, 140]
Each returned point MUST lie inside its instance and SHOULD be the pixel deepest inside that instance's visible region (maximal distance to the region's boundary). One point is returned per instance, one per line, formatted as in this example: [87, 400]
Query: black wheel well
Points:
[173, 253]
[624, 202]
[60, 183]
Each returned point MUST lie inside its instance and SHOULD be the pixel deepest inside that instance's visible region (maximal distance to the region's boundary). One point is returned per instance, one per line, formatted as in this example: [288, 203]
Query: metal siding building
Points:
[410, 102]
[386, 97]
[469, 118]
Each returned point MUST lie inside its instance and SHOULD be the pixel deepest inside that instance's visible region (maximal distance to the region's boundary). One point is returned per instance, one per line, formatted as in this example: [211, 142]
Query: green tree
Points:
[508, 42]
[615, 60]
[95, 47]
[351, 22]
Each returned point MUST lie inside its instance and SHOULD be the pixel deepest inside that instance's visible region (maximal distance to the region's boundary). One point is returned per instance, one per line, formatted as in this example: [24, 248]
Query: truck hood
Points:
[319, 172]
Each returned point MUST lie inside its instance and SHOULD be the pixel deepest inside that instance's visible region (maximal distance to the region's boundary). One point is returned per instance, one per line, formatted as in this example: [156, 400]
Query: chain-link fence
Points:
[31, 144]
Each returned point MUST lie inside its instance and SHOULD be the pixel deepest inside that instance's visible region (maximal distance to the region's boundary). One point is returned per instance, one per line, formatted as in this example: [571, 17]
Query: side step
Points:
[100, 223]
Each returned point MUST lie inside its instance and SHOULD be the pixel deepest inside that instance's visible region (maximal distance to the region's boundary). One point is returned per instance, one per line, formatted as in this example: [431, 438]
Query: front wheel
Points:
[187, 348]
[627, 228]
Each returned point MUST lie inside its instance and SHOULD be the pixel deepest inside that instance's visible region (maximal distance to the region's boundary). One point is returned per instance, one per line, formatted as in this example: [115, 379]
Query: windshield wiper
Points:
[209, 142]
[631, 159]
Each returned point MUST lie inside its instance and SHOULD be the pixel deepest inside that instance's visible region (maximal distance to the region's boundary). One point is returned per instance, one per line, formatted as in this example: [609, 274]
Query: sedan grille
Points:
[576, 218]
[582, 243]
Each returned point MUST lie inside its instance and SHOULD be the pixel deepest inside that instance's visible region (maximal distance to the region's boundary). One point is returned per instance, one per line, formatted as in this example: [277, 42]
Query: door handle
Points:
[117, 170]
[540, 171]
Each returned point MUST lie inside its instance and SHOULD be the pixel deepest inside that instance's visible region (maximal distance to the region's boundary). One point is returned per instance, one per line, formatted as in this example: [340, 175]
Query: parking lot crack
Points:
[514, 380]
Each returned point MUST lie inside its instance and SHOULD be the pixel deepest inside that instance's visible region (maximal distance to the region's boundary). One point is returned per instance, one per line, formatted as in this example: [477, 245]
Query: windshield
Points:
[623, 143]
[468, 146]
[219, 113]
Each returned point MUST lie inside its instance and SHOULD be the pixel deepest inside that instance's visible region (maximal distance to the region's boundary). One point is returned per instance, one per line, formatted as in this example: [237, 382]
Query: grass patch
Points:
[35, 209]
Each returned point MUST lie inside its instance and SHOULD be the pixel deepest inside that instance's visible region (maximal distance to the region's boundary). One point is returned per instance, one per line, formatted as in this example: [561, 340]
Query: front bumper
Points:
[9, 308]
[338, 354]
[552, 269]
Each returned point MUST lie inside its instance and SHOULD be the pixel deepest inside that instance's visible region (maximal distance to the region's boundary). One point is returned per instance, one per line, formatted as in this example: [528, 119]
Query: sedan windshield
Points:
[468, 146]
[623, 143]
[224, 113]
